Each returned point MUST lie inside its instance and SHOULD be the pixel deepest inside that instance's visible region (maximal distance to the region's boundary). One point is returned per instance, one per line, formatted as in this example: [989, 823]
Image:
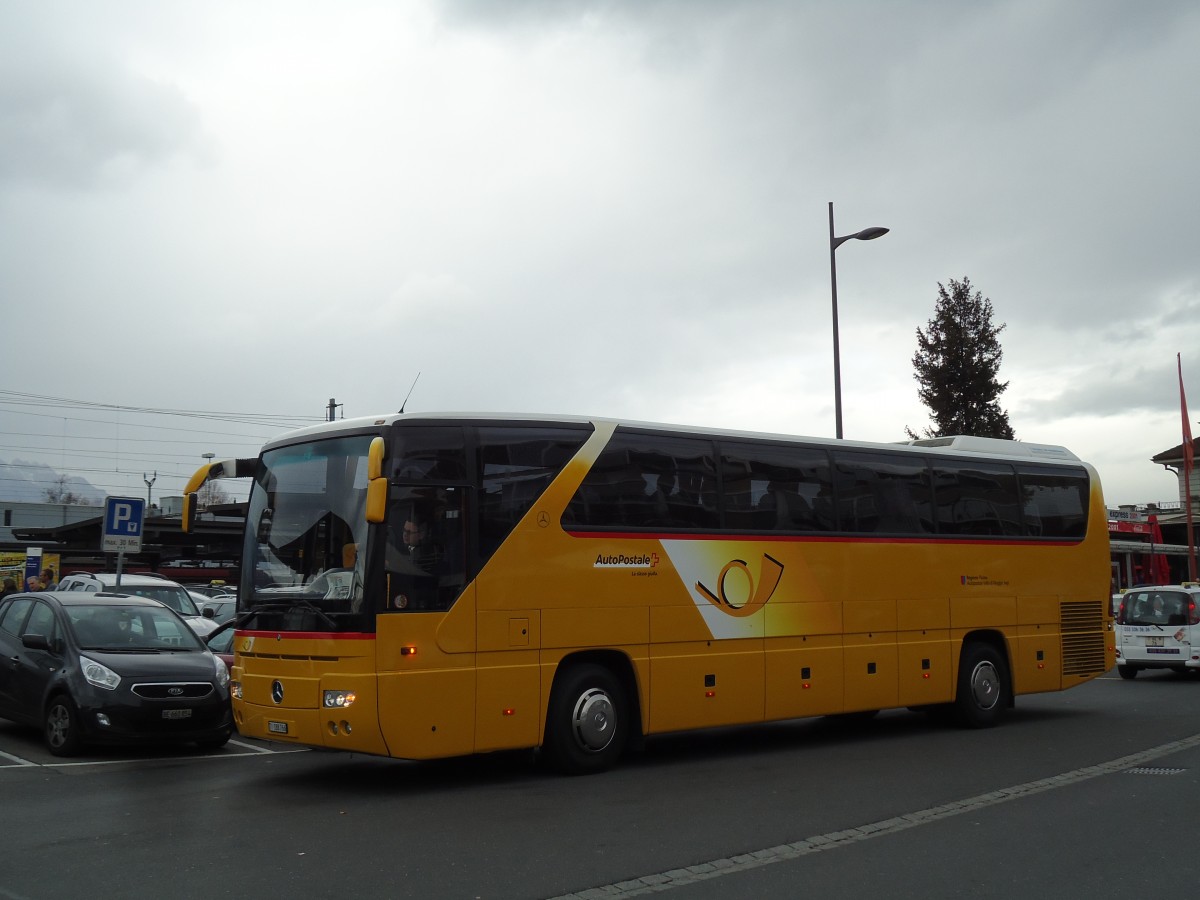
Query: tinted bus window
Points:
[882, 494]
[649, 481]
[515, 466]
[976, 499]
[769, 487]
[1054, 501]
[429, 453]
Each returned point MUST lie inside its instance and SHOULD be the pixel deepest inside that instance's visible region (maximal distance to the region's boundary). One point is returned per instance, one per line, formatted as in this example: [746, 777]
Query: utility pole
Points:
[149, 479]
[333, 405]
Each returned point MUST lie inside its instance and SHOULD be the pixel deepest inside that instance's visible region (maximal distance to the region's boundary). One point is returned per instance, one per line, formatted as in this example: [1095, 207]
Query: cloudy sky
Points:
[214, 217]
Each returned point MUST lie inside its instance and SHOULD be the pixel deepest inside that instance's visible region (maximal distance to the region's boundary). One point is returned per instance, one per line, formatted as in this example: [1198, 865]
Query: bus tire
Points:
[587, 723]
[1127, 672]
[983, 686]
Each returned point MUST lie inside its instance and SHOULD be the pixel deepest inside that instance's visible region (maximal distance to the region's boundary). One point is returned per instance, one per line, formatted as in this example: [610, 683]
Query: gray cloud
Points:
[86, 120]
[609, 207]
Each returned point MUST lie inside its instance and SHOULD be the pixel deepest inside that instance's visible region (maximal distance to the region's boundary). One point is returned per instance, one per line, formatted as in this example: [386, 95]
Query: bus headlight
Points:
[338, 699]
[235, 690]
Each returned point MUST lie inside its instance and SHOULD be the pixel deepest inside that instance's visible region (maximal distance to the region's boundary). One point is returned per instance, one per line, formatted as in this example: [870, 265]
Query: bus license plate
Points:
[277, 727]
[177, 713]
[1154, 642]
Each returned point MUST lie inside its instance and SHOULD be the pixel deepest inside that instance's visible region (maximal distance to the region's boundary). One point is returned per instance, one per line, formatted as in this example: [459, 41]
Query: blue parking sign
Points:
[123, 524]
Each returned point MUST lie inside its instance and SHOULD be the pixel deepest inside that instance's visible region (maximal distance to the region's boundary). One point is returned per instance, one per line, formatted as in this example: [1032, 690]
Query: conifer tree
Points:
[957, 359]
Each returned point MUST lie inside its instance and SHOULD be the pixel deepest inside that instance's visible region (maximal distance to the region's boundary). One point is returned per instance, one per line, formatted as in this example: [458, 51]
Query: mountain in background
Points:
[22, 481]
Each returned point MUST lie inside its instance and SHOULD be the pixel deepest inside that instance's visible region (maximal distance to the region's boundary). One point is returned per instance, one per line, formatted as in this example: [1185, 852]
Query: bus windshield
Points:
[306, 534]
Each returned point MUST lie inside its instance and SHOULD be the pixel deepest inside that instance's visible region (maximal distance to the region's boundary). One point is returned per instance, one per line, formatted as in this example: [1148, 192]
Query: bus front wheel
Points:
[587, 724]
[983, 687]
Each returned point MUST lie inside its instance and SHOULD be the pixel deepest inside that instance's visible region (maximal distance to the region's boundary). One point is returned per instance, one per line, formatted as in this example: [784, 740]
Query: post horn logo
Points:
[757, 594]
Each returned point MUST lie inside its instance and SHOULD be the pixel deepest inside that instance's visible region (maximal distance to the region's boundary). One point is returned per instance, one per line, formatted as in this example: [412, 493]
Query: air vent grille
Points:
[1082, 626]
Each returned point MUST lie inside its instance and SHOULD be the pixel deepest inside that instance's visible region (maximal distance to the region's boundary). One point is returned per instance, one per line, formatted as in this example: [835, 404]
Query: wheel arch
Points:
[623, 670]
[998, 642]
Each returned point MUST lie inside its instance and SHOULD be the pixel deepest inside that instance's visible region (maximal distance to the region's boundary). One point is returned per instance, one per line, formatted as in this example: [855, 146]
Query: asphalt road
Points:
[1088, 793]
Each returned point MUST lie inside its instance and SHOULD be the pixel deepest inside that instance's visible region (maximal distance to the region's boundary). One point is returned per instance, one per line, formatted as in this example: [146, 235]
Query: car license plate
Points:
[277, 727]
[177, 713]
[1154, 642]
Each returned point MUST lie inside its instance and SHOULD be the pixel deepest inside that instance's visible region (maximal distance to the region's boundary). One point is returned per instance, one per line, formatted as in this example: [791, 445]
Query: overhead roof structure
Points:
[216, 535]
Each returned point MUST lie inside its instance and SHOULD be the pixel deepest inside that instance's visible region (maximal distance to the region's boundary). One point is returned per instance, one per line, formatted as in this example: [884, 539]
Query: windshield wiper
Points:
[309, 605]
[282, 607]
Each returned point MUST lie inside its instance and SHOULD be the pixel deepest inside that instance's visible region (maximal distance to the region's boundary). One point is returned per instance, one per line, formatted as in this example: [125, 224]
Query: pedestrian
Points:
[33, 583]
[49, 583]
[10, 587]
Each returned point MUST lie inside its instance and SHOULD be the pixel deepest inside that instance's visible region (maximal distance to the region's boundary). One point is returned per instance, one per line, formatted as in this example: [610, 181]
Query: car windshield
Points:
[175, 597]
[110, 626]
[1153, 607]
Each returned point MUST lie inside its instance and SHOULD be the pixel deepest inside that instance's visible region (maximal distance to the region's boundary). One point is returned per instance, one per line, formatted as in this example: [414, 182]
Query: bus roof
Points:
[951, 445]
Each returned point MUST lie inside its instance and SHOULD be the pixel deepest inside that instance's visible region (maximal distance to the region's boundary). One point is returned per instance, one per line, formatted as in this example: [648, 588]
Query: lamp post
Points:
[208, 458]
[867, 234]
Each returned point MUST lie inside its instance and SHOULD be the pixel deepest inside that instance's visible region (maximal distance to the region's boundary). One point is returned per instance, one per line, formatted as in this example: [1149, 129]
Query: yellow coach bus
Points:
[424, 586]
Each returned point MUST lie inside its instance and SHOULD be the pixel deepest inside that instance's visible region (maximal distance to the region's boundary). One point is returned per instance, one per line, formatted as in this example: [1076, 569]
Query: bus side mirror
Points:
[189, 512]
[375, 459]
[376, 483]
[376, 499]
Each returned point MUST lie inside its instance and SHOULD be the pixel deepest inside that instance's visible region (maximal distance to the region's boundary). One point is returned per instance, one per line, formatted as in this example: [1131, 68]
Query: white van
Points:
[143, 585]
[1159, 628]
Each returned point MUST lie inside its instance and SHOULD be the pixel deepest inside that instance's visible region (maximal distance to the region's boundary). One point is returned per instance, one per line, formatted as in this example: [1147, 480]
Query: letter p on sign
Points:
[122, 516]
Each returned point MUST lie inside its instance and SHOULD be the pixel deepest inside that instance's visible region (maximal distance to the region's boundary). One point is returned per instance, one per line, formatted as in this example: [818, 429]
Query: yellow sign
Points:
[12, 565]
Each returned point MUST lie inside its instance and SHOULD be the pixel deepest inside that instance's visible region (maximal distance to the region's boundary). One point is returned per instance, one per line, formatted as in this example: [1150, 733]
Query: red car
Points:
[220, 642]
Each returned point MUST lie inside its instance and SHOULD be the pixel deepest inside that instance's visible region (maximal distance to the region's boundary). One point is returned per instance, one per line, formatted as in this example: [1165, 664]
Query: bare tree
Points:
[210, 494]
[60, 493]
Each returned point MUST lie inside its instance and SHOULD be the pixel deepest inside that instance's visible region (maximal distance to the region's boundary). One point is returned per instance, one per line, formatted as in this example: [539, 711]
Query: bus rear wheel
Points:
[587, 724]
[984, 691]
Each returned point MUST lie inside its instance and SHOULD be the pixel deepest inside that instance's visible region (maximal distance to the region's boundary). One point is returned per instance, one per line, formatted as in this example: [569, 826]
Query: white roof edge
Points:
[970, 444]
[996, 447]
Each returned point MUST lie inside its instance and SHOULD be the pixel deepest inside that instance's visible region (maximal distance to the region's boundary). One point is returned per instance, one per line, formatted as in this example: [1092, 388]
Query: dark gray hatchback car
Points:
[109, 668]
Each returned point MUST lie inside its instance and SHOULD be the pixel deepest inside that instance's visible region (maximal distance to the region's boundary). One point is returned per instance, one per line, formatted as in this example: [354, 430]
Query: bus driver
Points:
[413, 564]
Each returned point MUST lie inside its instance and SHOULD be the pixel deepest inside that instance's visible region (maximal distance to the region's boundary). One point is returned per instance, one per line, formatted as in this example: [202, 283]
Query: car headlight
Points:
[98, 674]
[222, 671]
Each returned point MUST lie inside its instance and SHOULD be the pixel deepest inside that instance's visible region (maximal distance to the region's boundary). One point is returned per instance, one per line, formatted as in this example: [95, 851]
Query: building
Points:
[73, 535]
[1172, 518]
[14, 514]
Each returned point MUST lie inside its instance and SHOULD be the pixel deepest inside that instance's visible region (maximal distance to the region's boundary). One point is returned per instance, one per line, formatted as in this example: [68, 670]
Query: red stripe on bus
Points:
[310, 635]
[759, 537]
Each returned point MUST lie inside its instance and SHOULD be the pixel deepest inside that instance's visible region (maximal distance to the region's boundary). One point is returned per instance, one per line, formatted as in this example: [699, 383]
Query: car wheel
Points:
[983, 688]
[62, 733]
[1127, 672]
[216, 742]
[587, 724]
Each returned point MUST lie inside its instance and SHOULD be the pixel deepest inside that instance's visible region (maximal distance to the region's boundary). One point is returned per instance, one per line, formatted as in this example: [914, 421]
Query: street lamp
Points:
[208, 458]
[867, 234]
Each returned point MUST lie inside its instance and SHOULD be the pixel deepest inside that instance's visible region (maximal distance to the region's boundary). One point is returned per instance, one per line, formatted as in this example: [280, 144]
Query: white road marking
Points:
[16, 760]
[664, 881]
